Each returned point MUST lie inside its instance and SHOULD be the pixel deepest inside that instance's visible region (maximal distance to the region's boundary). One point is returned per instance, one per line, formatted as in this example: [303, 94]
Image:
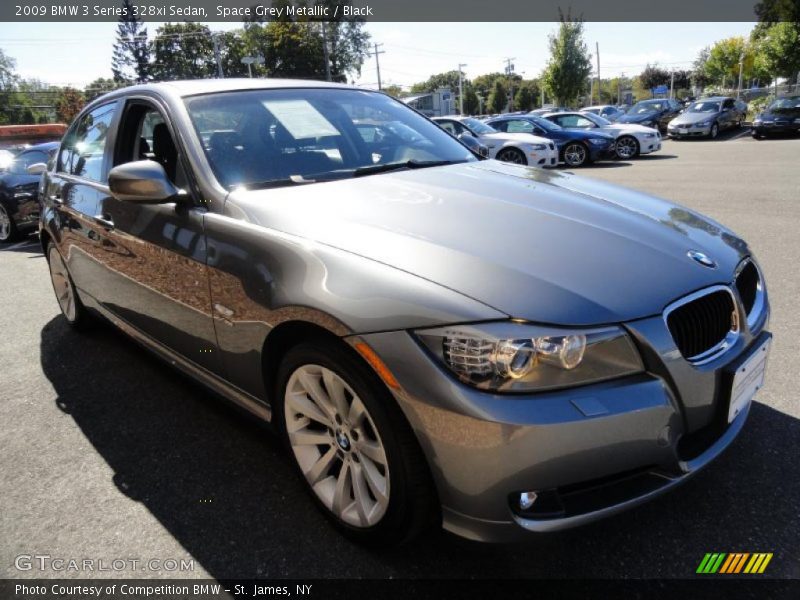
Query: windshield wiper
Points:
[396, 166]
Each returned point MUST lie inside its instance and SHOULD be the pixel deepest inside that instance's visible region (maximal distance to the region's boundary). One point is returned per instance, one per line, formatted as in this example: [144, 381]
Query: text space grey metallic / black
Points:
[437, 338]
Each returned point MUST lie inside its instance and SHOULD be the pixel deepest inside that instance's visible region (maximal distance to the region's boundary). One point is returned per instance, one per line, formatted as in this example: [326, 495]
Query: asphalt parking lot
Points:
[108, 454]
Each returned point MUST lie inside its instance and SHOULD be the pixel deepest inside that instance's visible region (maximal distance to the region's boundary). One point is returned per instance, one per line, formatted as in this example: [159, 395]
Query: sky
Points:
[77, 53]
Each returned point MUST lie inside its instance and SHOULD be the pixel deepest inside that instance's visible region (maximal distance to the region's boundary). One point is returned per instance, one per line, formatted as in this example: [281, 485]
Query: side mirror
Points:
[36, 168]
[142, 181]
[464, 134]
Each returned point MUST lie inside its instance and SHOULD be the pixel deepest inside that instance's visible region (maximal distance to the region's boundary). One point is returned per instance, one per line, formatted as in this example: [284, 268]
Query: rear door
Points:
[75, 190]
[158, 282]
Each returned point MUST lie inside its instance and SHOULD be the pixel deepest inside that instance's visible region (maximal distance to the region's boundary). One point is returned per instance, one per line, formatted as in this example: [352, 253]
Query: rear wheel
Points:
[352, 445]
[8, 229]
[66, 295]
[575, 154]
[512, 155]
[627, 147]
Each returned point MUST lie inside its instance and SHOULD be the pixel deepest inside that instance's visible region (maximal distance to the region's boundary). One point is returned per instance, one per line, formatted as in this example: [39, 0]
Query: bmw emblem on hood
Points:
[701, 258]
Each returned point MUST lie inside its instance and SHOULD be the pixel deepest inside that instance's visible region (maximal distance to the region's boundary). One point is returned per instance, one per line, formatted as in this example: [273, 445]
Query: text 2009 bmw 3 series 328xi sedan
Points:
[438, 338]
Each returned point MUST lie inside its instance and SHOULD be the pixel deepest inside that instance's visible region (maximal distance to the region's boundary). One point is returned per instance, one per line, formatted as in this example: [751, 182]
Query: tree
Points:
[523, 100]
[471, 103]
[70, 102]
[653, 76]
[98, 87]
[393, 90]
[698, 75]
[570, 64]
[440, 80]
[183, 51]
[498, 98]
[7, 80]
[778, 50]
[130, 60]
[483, 84]
[722, 65]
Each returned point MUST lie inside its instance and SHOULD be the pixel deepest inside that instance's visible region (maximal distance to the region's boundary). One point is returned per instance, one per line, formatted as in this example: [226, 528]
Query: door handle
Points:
[105, 221]
[55, 199]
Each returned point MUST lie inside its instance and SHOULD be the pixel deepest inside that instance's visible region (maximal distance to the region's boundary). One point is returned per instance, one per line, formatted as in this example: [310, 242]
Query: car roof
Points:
[715, 98]
[599, 106]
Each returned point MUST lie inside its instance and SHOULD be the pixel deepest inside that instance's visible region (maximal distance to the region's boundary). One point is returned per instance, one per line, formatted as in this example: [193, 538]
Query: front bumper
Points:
[772, 127]
[649, 145]
[544, 158]
[690, 131]
[601, 448]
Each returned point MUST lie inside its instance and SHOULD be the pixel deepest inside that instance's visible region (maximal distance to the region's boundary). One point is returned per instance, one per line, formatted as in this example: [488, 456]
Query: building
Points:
[433, 104]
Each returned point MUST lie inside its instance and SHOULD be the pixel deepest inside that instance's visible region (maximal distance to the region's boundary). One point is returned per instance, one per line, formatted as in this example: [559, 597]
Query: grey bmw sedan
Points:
[439, 339]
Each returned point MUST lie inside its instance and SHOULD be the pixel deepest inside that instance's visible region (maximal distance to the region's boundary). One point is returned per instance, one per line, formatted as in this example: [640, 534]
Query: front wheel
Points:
[512, 155]
[627, 147]
[8, 229]
[66, 295]
[575, 154]
[352, 445]
[714, 131]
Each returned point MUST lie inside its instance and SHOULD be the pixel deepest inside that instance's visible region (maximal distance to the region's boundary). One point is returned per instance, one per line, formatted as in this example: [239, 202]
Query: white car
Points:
[632, 140]
[607, 111]
[519, 148]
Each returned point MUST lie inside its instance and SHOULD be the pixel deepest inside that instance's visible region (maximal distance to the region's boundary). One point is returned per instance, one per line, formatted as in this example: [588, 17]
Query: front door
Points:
[160, 281]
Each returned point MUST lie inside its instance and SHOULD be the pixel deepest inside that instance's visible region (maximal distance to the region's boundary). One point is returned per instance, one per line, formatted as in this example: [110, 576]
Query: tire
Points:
[370, 453]
[714, 131]
[8, 229]
[66, 295]
[512, 155]
[575, 154]
[630, 147]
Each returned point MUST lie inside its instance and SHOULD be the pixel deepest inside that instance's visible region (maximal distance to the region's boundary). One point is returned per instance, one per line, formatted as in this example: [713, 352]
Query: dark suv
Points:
[652, 113]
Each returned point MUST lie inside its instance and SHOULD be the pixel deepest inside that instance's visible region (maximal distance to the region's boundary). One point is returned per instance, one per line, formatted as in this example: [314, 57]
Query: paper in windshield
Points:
[300, 118]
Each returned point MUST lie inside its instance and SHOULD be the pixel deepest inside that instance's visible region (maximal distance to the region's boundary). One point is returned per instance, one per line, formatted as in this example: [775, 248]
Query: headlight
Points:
[647, 123]
[538, 146]
[757, 120]
[703, 124]
[598, 141]
[797, 120]
[649, 135]
[514, 357]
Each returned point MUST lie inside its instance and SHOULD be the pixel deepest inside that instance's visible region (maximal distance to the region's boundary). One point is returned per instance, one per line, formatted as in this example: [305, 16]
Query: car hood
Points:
[688, 118]
[618, 129]
[516, 138]
[626, 118]
[784, 114]
[546, 246]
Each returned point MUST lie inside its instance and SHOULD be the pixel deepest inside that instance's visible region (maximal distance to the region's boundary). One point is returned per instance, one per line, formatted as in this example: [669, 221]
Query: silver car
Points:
[438, 339]
[707, 117]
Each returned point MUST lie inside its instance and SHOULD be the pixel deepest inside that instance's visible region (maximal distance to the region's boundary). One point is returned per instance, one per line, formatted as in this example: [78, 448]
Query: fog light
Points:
[526, 499]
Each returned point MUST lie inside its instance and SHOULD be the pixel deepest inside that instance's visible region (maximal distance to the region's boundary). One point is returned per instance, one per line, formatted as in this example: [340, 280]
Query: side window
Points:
[448, 127]
[728, 103]
[519, 126]
[575, 121]
[459, 128]
[500, 125]
[83, 151]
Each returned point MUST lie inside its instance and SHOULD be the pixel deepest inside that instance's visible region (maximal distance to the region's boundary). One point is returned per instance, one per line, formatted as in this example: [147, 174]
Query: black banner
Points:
[398, 10]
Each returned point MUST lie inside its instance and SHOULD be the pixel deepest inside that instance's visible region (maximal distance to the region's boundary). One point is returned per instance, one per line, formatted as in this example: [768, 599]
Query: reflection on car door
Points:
[157, 252]
[75, 190]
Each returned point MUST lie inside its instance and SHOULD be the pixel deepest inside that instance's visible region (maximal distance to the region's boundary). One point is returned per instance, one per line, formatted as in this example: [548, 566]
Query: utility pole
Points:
[741, 68]
[325, 52]
[671, 83]
[599, 97]
[460, 90]
[377, 62]
[217, 57]
[509, 73]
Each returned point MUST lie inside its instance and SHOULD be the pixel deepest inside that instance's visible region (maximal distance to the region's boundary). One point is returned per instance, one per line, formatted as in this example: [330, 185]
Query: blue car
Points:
[19, 208]
[576, 148]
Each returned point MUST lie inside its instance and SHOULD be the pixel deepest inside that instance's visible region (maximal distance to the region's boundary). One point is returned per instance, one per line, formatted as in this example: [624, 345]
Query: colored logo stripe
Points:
[735, 562]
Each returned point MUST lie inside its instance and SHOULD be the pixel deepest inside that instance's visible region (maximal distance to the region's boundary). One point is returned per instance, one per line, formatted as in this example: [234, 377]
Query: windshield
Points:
[478, 127]
[705, 107]
[274, 137]
[596, 119]
[785, 104]
[641, 108]
[545, 124]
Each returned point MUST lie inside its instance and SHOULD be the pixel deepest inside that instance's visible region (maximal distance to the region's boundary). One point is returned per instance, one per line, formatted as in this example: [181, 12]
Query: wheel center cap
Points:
[343, 440]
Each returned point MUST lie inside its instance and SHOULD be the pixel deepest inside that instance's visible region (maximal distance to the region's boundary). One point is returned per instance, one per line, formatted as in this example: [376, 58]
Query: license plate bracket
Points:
[745, 377]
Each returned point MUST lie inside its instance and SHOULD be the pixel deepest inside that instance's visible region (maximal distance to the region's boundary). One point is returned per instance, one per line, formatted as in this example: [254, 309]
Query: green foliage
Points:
[722, 66]
[183, 51]
[569, 67]
[100, 86]
[523, 99]
[498, 98]
[471, 103]
[778, 50]
[393, 90]
[440, 80]
[69, 103]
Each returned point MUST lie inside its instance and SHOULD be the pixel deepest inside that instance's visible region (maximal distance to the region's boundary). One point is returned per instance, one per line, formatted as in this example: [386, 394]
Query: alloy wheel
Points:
[512, 156]
[337, 445]
[62, 285]
[627, 147]
[575, 155]
[5, 224]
